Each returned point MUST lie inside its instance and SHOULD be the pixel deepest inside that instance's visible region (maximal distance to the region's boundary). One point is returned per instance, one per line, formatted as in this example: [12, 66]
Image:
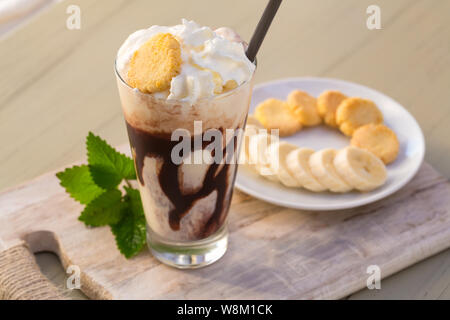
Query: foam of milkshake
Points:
[184, 202]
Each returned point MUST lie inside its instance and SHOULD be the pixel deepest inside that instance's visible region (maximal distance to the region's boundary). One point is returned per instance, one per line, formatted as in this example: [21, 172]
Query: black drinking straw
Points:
[261, 28]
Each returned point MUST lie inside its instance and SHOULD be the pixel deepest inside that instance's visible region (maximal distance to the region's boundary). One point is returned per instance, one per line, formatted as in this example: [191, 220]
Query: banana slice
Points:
[276, 154]
[297, 162]
[257, 148]
[250, 130]
[362, 169]
[322, 167]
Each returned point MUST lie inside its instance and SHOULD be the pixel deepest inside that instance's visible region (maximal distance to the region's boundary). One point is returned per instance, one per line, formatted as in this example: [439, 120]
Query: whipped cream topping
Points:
[213, 61]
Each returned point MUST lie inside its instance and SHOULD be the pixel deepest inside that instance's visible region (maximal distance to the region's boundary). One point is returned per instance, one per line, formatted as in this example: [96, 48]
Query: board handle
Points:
[21, 278]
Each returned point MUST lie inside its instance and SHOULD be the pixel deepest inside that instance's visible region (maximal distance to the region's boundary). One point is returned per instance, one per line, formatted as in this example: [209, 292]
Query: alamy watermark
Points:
[374, 20]
[374, 280]
[222, 146]
[74, 279]
[73, 21]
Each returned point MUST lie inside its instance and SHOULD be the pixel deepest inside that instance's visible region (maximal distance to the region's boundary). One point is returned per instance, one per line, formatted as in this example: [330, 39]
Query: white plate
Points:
[412, 148]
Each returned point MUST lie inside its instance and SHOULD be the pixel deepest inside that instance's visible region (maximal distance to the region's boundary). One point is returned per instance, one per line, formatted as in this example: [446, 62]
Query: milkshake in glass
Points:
[195, 87]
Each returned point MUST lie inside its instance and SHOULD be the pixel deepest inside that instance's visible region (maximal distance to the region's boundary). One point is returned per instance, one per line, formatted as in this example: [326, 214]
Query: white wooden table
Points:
[57, 84]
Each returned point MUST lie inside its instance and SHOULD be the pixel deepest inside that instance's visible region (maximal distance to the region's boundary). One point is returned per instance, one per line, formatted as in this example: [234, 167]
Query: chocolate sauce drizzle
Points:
[146, 144]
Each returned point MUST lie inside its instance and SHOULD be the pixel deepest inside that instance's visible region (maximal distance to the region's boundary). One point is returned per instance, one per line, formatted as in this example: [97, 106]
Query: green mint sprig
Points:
[97, 185]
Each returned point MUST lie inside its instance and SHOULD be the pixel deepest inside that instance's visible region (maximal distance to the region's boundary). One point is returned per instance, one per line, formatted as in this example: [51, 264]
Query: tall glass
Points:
[186, 203]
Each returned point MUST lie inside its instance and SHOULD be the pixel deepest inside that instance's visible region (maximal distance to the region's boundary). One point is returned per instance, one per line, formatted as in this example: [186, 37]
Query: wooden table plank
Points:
[427, 279]
[300, 254]
[86, 94]
[59, 84]
[410, 61]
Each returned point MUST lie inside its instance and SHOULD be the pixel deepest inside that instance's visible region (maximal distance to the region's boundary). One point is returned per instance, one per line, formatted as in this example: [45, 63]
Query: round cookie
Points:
[155, 63]
[353, 113]
[304, 108]
[378, 139]
[251, 120]
[275, 114]
[327, 104]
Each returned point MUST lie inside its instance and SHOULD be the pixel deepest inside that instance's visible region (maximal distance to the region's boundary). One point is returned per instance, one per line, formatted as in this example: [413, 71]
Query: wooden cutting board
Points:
[274, 252]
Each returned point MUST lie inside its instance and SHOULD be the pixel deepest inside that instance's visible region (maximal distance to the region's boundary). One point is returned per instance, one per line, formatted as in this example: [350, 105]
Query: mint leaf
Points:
[108, 167]
[106, 209]
[96, 186]
[134, 198]
[130, 232]
[105, 177]
[79, 184]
